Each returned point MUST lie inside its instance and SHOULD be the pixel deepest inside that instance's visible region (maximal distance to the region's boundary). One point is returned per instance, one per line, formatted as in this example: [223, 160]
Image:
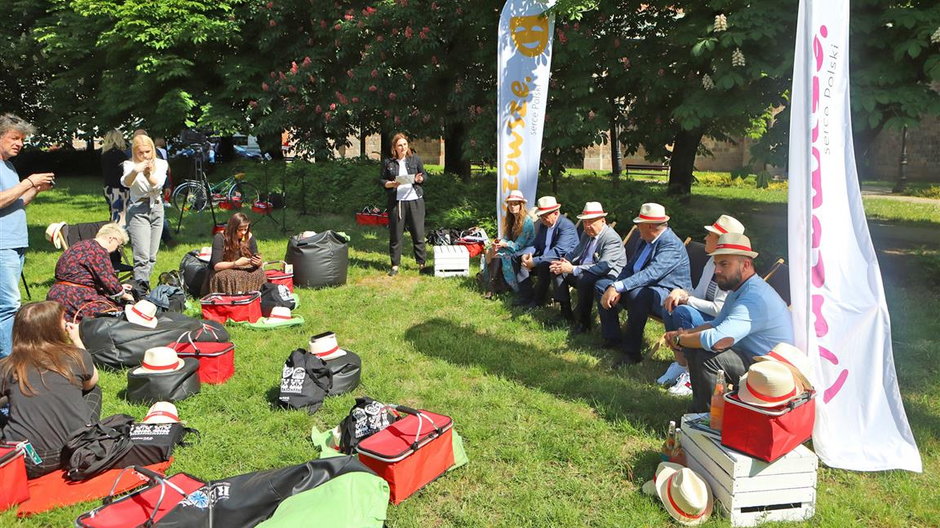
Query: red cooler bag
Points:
[221, 307]
[13, 489]
[216, 360]
[767, 433]
[411, 452]
[279, 275]
[146, 506]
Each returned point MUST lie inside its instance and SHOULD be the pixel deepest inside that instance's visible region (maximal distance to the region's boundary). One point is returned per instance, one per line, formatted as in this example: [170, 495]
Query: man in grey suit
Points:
[660, 265]
[598, 255]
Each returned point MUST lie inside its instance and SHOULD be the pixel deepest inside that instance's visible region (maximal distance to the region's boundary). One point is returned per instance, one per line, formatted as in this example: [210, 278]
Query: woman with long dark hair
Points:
[235, 265]
[112, 159]
[502, 257]
[403, 178]
[51, 382]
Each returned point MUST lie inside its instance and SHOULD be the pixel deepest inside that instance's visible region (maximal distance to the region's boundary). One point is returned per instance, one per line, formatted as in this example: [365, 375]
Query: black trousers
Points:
[584, 284]
[411, 214]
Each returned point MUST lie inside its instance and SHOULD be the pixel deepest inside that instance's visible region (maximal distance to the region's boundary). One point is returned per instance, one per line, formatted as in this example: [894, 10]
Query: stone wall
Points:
[923, 153]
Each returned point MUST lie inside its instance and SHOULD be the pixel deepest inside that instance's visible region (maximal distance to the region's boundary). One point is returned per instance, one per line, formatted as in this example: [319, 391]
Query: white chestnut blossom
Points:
[737, 58]
[721, 23]
[707, 82]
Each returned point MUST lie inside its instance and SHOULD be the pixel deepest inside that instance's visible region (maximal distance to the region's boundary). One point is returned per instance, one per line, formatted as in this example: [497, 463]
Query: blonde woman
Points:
[112, 158]
[144, 174]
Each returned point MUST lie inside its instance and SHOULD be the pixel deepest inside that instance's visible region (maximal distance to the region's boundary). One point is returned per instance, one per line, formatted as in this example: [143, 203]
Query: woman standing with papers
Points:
[403, 177]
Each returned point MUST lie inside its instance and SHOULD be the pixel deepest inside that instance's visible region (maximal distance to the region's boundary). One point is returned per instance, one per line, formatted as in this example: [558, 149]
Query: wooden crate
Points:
[750, 491]
[451, 261]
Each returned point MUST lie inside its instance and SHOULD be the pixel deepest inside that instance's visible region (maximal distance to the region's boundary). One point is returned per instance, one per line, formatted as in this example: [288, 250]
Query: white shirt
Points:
[140, 186]
[406, 191]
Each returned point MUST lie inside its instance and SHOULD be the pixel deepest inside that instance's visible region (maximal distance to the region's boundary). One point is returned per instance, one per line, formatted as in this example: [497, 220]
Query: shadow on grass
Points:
[625, 395]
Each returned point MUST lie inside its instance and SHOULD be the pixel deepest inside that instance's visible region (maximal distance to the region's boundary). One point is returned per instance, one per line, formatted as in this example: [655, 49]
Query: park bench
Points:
[646, 169]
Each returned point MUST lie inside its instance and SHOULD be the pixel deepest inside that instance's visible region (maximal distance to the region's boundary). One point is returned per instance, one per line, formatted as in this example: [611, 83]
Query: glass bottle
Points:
[669, 445]
[718, 402]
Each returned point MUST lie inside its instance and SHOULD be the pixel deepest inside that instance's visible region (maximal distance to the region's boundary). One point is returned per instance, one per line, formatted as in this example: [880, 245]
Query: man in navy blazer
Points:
[660, 265]
[555, 236]
[598, 255]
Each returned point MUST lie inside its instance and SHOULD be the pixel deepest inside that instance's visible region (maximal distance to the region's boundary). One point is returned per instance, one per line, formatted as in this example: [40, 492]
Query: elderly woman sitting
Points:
[503, 255]
[85, 282]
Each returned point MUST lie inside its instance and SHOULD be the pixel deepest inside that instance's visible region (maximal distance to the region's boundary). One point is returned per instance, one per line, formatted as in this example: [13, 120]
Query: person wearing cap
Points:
[235, 265]
[598, 255]
[555, 236]
[688, 309]
[84, 274]
[51, 383]
[503, 256]
[660, 265]
[405, 200]
[752, 321]
[144, 174]
[15, 195]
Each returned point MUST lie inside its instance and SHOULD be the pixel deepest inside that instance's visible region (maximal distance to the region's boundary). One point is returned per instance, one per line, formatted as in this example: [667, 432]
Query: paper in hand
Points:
[405, 179]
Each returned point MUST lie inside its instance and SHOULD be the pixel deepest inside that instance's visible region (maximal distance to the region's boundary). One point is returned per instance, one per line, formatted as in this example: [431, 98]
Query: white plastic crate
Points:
[451, 261]
[751, 491]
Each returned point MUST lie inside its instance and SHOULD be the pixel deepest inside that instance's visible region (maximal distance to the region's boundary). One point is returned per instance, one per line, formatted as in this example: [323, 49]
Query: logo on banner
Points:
[825, 61]
[529, 34]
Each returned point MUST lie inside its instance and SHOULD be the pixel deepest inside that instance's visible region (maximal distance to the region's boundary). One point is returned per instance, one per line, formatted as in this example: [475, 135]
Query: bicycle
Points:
[191, 195]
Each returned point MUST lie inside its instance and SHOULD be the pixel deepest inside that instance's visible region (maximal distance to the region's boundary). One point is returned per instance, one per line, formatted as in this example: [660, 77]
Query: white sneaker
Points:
[672, 374]
[683, 386]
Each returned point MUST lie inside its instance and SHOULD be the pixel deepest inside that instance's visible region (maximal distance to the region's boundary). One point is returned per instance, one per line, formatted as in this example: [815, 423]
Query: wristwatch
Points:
[675, 342]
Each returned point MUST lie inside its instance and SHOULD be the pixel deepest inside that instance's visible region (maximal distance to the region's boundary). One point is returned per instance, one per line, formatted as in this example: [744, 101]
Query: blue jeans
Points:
[11, 267]
[684, 316]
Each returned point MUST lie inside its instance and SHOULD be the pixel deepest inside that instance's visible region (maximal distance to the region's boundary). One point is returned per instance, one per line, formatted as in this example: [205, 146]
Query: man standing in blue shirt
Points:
[753, 320]
[15, 195]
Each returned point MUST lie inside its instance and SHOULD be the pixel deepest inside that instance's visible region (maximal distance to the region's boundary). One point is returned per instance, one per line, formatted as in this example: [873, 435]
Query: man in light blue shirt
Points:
[15, 195]
[753, 320]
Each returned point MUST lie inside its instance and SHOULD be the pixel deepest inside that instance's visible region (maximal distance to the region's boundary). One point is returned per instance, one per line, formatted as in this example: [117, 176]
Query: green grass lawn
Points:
[555, 438]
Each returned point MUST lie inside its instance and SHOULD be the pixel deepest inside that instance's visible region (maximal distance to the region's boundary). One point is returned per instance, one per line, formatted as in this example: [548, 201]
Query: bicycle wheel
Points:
[243, 193]
[190, 196]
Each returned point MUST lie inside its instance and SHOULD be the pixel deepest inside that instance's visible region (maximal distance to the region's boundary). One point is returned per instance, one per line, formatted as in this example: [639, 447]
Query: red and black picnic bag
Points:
[279, 274]
[144, 507]
[216, 360]
[411, 452]
[13, 488]
[767, 433]
[221, 307]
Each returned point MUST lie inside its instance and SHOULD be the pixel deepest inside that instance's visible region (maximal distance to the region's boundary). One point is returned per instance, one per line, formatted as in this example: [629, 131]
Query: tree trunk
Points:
[454, 162]
[362, 142]
[616, 157]
[683, 162]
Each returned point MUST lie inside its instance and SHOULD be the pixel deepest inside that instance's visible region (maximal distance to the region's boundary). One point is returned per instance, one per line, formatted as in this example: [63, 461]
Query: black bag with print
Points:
[305, 381]
[365, 418]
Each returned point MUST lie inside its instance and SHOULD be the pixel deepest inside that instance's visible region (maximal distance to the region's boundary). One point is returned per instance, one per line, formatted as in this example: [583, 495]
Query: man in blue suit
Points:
[599, 255]
[555, 236]
[660, 265]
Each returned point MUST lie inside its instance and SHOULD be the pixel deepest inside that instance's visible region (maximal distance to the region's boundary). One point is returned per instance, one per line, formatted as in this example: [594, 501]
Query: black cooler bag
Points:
[319, 261]
[195, 273]
[347, 369]
[172, 386]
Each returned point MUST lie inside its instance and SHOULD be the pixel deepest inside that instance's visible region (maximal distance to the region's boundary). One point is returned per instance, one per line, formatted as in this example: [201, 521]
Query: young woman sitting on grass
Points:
[50, 381]
[235, 265]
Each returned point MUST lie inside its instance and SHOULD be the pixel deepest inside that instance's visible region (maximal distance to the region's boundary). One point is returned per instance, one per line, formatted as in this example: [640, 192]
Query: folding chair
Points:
[697, 259]
[70, 234]
[779, 279]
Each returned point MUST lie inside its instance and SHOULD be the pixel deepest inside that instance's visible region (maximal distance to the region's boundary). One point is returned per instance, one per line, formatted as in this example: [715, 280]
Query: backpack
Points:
[275, 295]
[365, 418]
[195, 273]
[305, 381]
[97, 447]
[168, 298]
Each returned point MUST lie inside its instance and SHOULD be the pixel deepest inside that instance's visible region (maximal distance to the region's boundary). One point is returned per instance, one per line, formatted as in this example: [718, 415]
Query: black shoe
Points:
[579, 328]
[392, 272]
[612, 344]
[522, 301]
[426, 270]
[566, 312]
[625, 361]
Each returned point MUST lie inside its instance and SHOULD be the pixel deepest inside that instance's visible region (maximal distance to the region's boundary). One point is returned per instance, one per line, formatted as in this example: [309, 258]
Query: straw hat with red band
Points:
[142, 313]
[651, 213]
[733, 244]
[515, 195]
[545, 205]
[159, 360]
[205, 254]
[794, 359]
[591, 211]
[685, 495]
[649, 488]
[726, 224]
[54, 234]
[324, 346]
[767, 384]
[161, 413]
